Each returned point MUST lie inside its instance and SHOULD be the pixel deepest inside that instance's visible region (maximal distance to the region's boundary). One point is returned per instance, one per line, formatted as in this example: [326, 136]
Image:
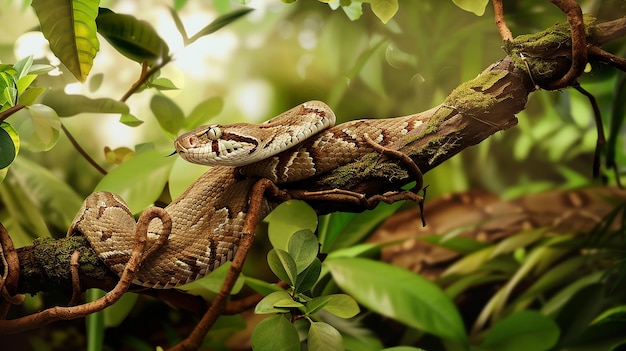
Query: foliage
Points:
[363, 69]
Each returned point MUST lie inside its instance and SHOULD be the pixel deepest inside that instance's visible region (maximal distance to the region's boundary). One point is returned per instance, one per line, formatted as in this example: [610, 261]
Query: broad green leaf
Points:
[323, 337]
[115, 314]
[168, 114]
[525, 330]
[275, 334]
[282, 224]
[211, 284]
[268, 303]
[384, 9]
[307, 278]
[303, 248]
[67, 105]
[9, 144]
[203, 112]
[399, 294]
[48, 196]
[40, 132]
[476, 7]
[218, 23]
[283, 265]
[357, 228]
[183, 174]
[133, 38]
[70, 28]
[261, 286]
[140, 180]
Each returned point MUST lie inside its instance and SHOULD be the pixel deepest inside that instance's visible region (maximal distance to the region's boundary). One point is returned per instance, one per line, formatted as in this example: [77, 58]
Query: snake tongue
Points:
[173, 153]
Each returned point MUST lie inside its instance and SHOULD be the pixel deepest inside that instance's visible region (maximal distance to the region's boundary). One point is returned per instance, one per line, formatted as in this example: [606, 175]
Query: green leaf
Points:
[40, 132]
[115, 314]
[307, 278]
[168, 114]
[70, 28]
[275, 334]
[268, 303]
[140, 180]
[323, 337]
[218, 24]
[399, 294]
[384, 9]
[282, 224]
[476, 7]
[283, 265]
[50, 196]
[341, 305]
[133, 38]
[162, 83]
[31, 95]
[525, 330]
[69, 105]
[211, 284]
[203, 112]
[22, 67]
[130, 120]
[261, 286]
[9, 144]
[303, 248]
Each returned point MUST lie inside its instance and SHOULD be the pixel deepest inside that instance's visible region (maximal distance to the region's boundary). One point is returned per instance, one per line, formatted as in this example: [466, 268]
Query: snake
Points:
[209, 216]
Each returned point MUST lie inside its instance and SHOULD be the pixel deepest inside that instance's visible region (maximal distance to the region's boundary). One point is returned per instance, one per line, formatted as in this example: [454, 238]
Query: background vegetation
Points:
[262, 64]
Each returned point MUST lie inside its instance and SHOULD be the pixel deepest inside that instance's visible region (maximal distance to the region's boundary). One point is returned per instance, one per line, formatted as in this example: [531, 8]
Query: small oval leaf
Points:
[323, 337]
[275, 333]
[303, 248]
[282, 265]
[525, 330]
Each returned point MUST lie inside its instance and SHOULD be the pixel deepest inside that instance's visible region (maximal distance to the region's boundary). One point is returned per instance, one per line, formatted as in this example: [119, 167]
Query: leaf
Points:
[303, 248]
[130, 120]
[399, 294]
[211, 284]
[282, 224]
[341, 305]
[168, 114]
[275, 334]
[162, 83]
[525, 330]
[307, 278]
[384, 9]
[40, 132]
[9, 144]
[203, 112]
[31, 95]
[139, 180]
[133, 38]
[67, 105]
[50, 196]
[218, 24]
[282, 265]
[322, 337]
[268, 303]
[477, 7]
[70, 28]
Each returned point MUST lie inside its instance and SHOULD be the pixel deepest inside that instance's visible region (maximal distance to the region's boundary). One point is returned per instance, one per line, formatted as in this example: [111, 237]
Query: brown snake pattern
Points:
[208, 218]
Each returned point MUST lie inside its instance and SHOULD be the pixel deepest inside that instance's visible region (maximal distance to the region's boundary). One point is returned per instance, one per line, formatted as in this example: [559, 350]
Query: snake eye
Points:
[214, 132]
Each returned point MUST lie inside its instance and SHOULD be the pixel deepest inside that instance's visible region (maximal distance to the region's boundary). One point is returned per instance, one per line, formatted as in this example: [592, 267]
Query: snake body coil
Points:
[208, 218]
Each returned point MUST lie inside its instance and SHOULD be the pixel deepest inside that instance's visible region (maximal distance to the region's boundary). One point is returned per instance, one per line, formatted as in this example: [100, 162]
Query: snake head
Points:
[241, 144]
[216, 145]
